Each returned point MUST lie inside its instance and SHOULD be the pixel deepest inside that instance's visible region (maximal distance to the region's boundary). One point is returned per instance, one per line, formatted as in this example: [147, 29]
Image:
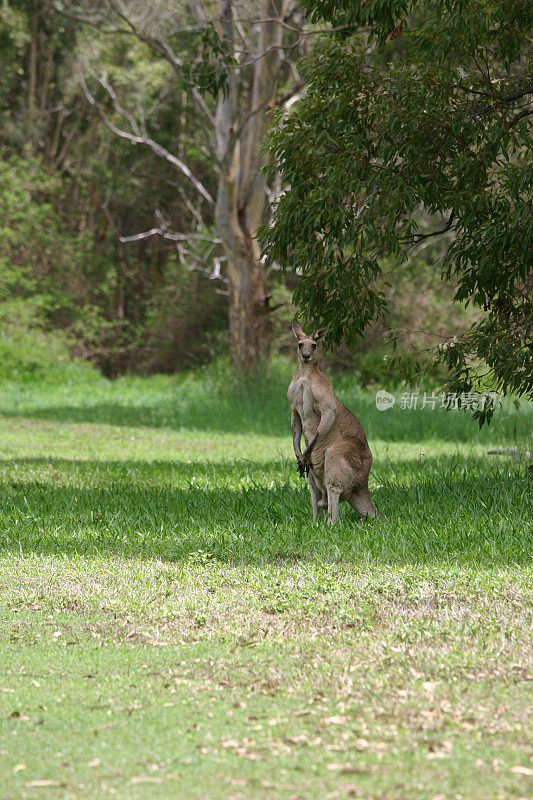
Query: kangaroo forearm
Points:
[311, 444]
[325, 425]
[296, 439]
[296, 424]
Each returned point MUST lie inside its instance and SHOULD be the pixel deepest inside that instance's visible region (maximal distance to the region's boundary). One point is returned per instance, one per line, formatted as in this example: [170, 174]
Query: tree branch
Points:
[506, 98]
[173, 237]
[136, 137]
[525, 113]
[419, 237]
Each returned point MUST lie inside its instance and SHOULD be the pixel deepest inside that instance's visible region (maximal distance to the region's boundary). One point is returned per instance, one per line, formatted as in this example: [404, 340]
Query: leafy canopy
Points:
[425, 114]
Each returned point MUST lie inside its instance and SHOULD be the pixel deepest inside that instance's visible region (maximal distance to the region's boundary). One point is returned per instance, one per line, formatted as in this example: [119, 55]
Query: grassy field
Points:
[174, 625]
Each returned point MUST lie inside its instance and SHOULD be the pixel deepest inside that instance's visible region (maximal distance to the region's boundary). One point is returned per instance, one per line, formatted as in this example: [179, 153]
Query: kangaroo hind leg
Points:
[333, 504]
[315, 493]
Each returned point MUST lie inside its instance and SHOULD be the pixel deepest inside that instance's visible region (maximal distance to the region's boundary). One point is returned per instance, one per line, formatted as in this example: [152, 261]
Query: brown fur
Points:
[337, 458]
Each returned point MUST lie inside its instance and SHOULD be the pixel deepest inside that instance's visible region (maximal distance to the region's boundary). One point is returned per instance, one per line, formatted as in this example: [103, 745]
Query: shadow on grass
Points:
[212, 416]
[271, 417]
[173, 511]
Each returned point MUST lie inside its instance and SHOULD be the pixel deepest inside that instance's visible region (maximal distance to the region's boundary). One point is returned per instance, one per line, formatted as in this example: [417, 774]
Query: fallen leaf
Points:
[337, 720]
[348, 768]
[253, 755]
[19, 716]
[361, 744]
[303, 712]
[104, 727]
[19, 767]
[43, 783]
[145, 779]
[519, 770]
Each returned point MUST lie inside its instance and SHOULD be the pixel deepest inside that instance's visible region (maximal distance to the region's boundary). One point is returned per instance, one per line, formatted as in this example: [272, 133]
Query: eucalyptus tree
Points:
[234, 62]
[424, 116]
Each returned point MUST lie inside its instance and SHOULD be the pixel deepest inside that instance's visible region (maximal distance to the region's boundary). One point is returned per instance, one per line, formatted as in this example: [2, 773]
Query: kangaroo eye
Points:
[301, 345]
[313, 346]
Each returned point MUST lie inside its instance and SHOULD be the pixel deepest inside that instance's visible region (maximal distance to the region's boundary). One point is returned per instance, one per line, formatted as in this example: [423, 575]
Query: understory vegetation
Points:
[173, 621]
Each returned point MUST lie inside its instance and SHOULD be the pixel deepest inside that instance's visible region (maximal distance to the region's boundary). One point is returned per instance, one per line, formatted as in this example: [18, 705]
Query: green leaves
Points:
[383, 15]
[210, 70]
[433, 125]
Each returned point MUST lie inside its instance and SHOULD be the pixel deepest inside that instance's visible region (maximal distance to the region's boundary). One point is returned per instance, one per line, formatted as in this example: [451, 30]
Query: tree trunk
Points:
[248, 318]
[32, 68]
[248, 314]
[241, 191]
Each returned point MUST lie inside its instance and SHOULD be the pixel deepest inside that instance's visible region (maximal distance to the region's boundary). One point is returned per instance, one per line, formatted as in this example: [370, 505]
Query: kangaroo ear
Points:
[298, 332]
[320, 334]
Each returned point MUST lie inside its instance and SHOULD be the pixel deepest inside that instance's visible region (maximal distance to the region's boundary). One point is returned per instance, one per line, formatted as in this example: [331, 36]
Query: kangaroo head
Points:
[307, 345]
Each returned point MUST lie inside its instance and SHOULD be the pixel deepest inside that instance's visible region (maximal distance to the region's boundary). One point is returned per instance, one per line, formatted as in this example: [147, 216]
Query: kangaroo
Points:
[337, 458]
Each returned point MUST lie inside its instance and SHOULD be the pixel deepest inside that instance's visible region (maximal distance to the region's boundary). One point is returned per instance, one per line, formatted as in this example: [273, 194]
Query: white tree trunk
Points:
[240, 126]
[241, 192]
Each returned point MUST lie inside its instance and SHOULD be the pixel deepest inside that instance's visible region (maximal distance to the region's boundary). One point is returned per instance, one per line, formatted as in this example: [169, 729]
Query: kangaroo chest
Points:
[302, 400]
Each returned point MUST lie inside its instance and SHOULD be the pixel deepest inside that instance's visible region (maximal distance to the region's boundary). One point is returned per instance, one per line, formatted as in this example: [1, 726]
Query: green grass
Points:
[174, 624]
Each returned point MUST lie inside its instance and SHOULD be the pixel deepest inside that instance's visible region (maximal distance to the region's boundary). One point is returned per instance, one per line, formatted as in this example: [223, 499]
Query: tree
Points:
[69, 187]
[230, 66]
[425, 115]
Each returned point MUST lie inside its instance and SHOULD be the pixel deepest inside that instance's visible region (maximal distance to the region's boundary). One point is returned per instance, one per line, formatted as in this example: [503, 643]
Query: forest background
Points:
[71, 191]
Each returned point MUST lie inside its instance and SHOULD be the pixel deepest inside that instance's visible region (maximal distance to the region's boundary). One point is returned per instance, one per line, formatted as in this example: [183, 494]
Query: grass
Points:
[174, 624]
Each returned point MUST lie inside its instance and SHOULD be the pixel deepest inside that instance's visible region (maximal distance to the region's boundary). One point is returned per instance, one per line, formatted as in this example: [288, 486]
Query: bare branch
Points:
[156, 43]
[290, 98]
[105, 208]
[504, 98]
[310, 31]
[136, 136]
[197, 12]
[162, 47]
[173, 237]
[194, 211]
[214, 275]
[181, 238]
[94, 21]
[522, 115]
[419, 237]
